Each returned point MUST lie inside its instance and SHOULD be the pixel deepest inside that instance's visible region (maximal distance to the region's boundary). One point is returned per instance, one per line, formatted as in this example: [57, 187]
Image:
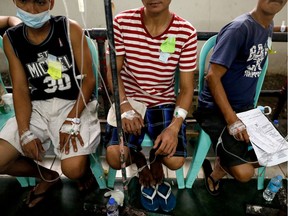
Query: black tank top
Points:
[34, 60]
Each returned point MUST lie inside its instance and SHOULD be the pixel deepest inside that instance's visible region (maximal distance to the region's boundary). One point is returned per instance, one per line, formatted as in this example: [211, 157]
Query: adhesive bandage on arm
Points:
[130, 114]
[236, 127]
[180, 112]
[72, 129]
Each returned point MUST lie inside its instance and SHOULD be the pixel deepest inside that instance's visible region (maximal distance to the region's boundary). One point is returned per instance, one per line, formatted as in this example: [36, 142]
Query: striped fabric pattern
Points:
[146, 77]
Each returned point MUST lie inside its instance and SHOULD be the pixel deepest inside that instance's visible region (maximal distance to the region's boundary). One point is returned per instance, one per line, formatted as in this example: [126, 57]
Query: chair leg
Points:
[180, 178]
[97, 170]
[23, 181]
[111, 177]
[32, 181]
[261, 178]
[202, 148]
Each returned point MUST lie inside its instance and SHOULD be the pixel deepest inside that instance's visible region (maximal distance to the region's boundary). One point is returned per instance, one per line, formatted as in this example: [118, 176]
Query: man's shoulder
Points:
[58, 18]
[136, 12]
[242, 21]
[183, 23]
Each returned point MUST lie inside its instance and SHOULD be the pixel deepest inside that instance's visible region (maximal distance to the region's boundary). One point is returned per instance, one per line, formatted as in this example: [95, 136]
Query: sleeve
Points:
[118, 38]
[228, 44]
[188, 58]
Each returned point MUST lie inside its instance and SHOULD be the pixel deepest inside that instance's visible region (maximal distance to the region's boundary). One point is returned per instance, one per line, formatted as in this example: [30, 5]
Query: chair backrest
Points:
[95, 62]
[2, 87]
[206, 48]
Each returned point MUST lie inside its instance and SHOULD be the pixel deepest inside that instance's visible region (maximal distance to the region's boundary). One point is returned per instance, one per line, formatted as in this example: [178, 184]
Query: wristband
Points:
[180, 112]
[123, 102]
[74, 120]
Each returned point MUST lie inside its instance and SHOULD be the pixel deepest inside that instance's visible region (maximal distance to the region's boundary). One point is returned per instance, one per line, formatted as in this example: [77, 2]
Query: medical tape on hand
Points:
[236, 128]
[27, 137]
[72, 129]
[130, 114]
[180, 112]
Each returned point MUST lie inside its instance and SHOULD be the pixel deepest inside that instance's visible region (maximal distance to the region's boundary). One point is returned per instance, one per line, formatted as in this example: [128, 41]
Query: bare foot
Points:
[145, 176]
[156, 167]
[87, 182]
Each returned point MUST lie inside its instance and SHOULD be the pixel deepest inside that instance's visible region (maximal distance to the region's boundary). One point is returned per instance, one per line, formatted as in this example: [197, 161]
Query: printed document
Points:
[269, 145]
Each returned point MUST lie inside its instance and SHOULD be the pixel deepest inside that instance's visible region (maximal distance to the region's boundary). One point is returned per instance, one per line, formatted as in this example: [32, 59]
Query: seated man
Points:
[151, 42]
[230, 85]
[59, 107]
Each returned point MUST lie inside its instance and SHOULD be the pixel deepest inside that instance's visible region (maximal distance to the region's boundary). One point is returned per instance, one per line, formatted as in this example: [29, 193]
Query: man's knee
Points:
[74, 168]
[8, 156]
[243, 173]
[113, 157]
[174, 163]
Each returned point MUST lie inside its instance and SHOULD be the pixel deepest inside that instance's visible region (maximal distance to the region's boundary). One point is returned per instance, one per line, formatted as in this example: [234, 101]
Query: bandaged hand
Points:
[238, 130]
[132, 122]
[70, 133]
[31, 146]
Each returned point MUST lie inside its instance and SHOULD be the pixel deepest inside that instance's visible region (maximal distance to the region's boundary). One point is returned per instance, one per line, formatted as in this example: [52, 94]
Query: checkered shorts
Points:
[156, 120]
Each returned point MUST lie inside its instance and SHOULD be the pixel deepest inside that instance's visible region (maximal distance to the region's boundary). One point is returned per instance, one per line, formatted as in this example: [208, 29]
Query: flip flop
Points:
[149, 200]
[32, 196]
[207, 172]
[167, 200]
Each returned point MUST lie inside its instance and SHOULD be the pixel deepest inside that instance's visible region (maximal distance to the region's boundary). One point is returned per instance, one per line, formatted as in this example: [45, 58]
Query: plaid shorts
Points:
[156, 120]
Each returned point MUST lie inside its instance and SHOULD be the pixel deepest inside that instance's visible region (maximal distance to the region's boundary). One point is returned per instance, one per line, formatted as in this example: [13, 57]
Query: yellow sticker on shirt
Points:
[269, 43]
[168, 46]
[54, 67]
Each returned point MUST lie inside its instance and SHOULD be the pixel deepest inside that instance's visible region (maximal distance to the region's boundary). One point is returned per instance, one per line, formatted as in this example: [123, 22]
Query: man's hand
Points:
[66, 139]
[238, 130]
[134, 124]
[34, 149]
[166, 142]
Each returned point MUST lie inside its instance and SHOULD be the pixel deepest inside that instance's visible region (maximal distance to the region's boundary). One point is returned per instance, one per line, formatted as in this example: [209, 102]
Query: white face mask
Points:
[33, 20]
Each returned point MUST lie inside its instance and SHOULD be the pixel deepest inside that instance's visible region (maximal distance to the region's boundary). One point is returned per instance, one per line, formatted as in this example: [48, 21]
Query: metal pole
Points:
[113, 65]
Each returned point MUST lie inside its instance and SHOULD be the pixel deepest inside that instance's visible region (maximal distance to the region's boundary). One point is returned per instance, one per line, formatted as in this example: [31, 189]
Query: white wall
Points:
[205, 15]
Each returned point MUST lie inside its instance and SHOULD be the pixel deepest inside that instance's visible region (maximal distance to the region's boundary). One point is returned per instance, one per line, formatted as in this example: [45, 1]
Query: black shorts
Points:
[231, 151]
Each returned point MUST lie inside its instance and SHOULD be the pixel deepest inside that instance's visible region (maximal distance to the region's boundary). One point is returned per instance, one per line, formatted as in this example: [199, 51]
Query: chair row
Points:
[202, 145]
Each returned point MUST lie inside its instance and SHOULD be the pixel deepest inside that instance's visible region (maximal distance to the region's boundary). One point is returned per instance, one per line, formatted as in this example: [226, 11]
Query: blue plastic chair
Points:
[147, 142]
[203, 144]
[95, 162]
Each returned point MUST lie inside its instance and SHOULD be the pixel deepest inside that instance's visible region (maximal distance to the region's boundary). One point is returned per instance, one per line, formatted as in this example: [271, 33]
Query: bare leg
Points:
[11, 163]
[145, 176]
[156, 167]
[78, 168]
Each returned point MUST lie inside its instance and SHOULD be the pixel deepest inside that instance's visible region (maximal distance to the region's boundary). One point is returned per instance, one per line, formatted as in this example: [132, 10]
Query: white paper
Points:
[270, 147]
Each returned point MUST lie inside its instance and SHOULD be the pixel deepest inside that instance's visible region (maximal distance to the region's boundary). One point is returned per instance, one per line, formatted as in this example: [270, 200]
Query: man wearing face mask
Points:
[42, 56]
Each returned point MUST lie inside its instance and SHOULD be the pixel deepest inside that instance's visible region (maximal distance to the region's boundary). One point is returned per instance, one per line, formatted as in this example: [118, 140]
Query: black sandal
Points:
[32, 196]
[207, 172]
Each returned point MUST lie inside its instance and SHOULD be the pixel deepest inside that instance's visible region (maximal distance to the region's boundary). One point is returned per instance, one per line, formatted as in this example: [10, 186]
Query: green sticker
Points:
[55, 69]
[168, 46]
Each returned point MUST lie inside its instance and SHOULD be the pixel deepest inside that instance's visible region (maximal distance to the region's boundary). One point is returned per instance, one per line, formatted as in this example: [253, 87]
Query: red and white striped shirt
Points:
[148, 78]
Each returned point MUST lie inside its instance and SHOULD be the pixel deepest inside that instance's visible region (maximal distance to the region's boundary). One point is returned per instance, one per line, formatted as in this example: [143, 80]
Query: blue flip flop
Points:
[167, 200]
[149, 200]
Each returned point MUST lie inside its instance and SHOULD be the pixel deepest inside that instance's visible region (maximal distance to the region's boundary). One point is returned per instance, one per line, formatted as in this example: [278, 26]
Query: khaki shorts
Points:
[46, 120]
